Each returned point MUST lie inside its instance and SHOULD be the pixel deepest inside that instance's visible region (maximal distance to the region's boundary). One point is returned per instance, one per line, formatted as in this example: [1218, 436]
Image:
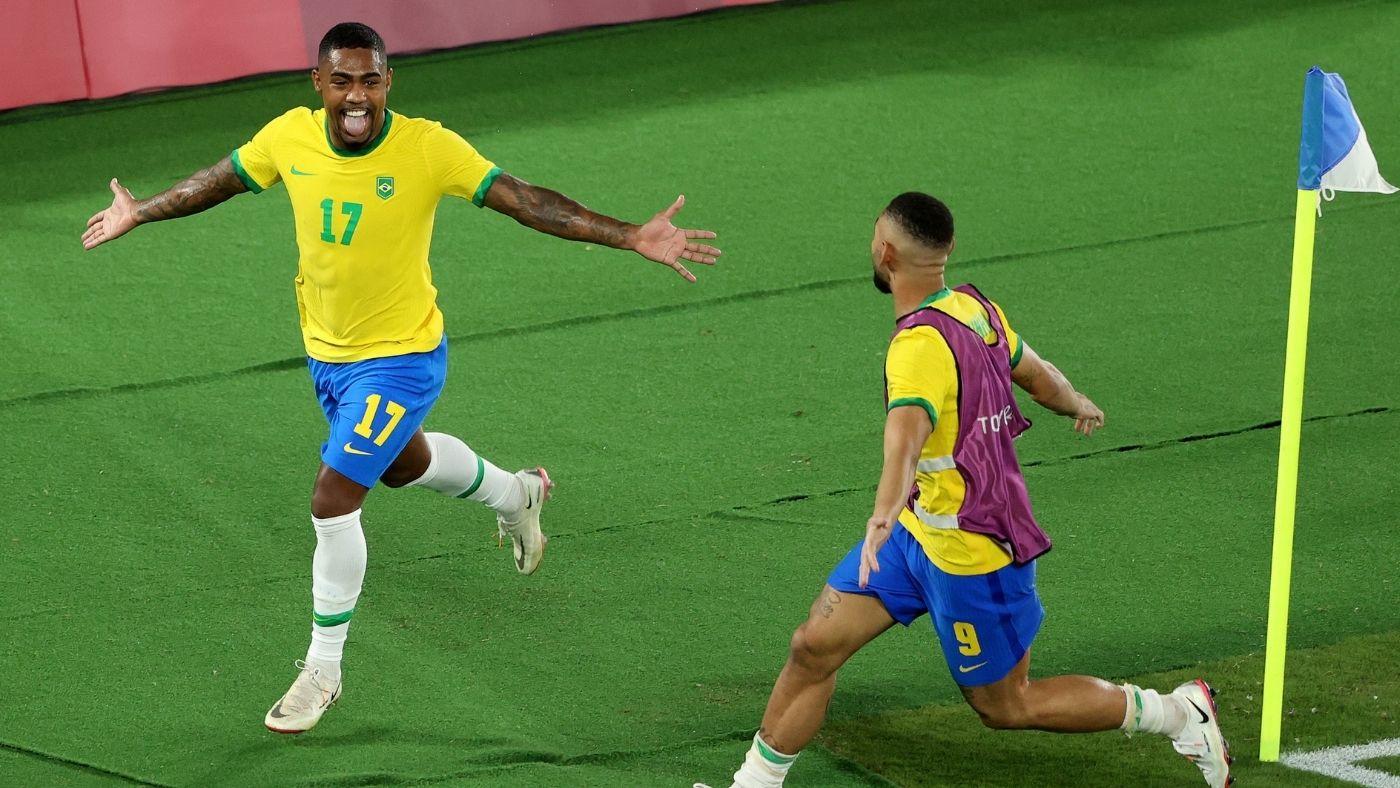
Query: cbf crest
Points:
[384, 187]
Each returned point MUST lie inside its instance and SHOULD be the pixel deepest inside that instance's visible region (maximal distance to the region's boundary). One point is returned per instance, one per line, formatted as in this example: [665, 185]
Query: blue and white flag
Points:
[1334, 154]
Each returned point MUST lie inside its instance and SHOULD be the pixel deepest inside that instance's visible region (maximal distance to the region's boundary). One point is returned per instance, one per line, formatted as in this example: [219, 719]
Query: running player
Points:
[364, 185]
[952, 533]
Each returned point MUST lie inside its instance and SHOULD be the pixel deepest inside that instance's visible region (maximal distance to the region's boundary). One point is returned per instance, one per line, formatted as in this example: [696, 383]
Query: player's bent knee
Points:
[813, 651]
[1005, 714]
[330, 499]
[1004, 720]
[395, 481]
[411, 464]
[335, 494]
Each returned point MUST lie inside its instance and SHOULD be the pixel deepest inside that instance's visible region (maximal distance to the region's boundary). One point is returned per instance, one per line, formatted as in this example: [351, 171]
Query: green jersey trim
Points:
[243, 174]
[1016, 357]
[939, 296]
[921, 402]
[479, 199]
[367, 149]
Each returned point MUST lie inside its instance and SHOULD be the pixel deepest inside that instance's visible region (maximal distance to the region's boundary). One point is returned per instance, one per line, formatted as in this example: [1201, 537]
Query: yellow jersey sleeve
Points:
[458, 168]
[919, 370]
[255, 160]
[1012, 338]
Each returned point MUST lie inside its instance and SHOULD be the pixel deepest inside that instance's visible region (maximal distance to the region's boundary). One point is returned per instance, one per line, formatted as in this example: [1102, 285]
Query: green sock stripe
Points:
[1137, 699]
[480, 476]
[333, 620]
[771, 755]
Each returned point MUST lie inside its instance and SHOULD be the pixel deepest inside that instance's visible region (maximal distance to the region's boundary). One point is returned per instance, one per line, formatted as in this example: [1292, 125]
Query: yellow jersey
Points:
[364, 222]
[920, 371]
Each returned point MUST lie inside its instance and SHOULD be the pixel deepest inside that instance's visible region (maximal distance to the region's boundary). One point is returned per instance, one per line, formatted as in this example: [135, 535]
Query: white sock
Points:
[458, 471]
[1151, 712]
[764, 767]
[337, 570]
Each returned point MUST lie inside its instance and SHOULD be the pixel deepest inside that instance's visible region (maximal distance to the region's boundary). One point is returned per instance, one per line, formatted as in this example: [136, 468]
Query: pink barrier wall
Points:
[164, 43]
[75, 49]
[416, 25]
[44, 35]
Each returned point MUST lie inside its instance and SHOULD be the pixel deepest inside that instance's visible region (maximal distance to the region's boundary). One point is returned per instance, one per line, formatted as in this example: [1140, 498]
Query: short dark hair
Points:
[350, 35]
[924, 217]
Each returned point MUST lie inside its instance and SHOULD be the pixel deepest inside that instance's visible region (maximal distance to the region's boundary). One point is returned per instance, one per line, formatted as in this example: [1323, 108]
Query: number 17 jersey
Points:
[364, 222]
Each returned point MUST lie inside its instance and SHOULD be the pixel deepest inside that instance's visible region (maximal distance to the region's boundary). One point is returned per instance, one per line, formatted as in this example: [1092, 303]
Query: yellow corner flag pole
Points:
[1285, 502]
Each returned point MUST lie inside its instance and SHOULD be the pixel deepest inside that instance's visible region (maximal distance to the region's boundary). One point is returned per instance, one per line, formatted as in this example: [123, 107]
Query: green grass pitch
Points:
[1123, 182]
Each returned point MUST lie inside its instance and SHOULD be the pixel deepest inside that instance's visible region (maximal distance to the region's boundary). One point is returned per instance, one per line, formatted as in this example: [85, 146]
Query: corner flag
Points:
[1334, 155]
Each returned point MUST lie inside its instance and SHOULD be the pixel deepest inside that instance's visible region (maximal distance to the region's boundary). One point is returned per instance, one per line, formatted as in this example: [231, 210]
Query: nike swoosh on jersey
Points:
[295, 171]
[970, 668]
[352, 450]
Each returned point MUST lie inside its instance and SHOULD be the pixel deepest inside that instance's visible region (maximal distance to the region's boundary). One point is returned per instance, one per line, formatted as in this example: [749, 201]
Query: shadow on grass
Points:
[1345, 693]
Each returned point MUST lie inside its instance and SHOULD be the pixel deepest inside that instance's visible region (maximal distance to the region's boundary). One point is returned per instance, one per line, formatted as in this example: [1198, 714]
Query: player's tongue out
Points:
[356, 122]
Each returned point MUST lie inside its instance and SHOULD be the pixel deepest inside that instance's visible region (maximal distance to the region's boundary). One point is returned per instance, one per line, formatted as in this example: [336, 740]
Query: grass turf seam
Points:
[516, 759]
[77, 765]
[744, 512]
[1205, 436]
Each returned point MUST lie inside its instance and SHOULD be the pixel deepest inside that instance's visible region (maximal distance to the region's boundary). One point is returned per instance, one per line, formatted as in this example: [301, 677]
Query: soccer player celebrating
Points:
[952, 533]
[364, 185]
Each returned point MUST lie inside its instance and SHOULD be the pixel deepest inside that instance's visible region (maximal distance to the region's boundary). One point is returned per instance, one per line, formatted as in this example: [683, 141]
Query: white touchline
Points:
[1340, 763]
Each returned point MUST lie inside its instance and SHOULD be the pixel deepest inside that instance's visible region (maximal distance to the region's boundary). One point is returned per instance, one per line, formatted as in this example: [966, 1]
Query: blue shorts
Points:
[985, 623]
[374, 406]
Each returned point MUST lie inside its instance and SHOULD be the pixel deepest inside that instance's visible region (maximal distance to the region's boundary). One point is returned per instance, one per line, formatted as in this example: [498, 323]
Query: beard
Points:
[882, 284]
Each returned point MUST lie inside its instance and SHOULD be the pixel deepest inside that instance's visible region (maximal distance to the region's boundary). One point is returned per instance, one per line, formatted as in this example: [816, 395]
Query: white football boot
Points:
[301, 708]
[524, 527]
[1201, 741]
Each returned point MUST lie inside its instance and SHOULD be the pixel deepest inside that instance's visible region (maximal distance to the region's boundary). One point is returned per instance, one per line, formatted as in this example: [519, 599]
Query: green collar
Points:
[939, 296]
[374, 143]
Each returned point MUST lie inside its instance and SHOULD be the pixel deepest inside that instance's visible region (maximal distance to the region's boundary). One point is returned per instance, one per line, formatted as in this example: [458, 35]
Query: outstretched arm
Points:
[204, 189]
[1050, 389]
[550, 212]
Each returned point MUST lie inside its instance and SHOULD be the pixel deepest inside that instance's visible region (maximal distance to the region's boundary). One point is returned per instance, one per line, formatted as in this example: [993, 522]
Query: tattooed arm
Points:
[202, 190]
[550, 212]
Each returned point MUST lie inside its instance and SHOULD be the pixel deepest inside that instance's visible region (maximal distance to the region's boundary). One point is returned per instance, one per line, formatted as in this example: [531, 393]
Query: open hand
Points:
[1087, 417]
[660, 241]
[877, 532]
[114, 222]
